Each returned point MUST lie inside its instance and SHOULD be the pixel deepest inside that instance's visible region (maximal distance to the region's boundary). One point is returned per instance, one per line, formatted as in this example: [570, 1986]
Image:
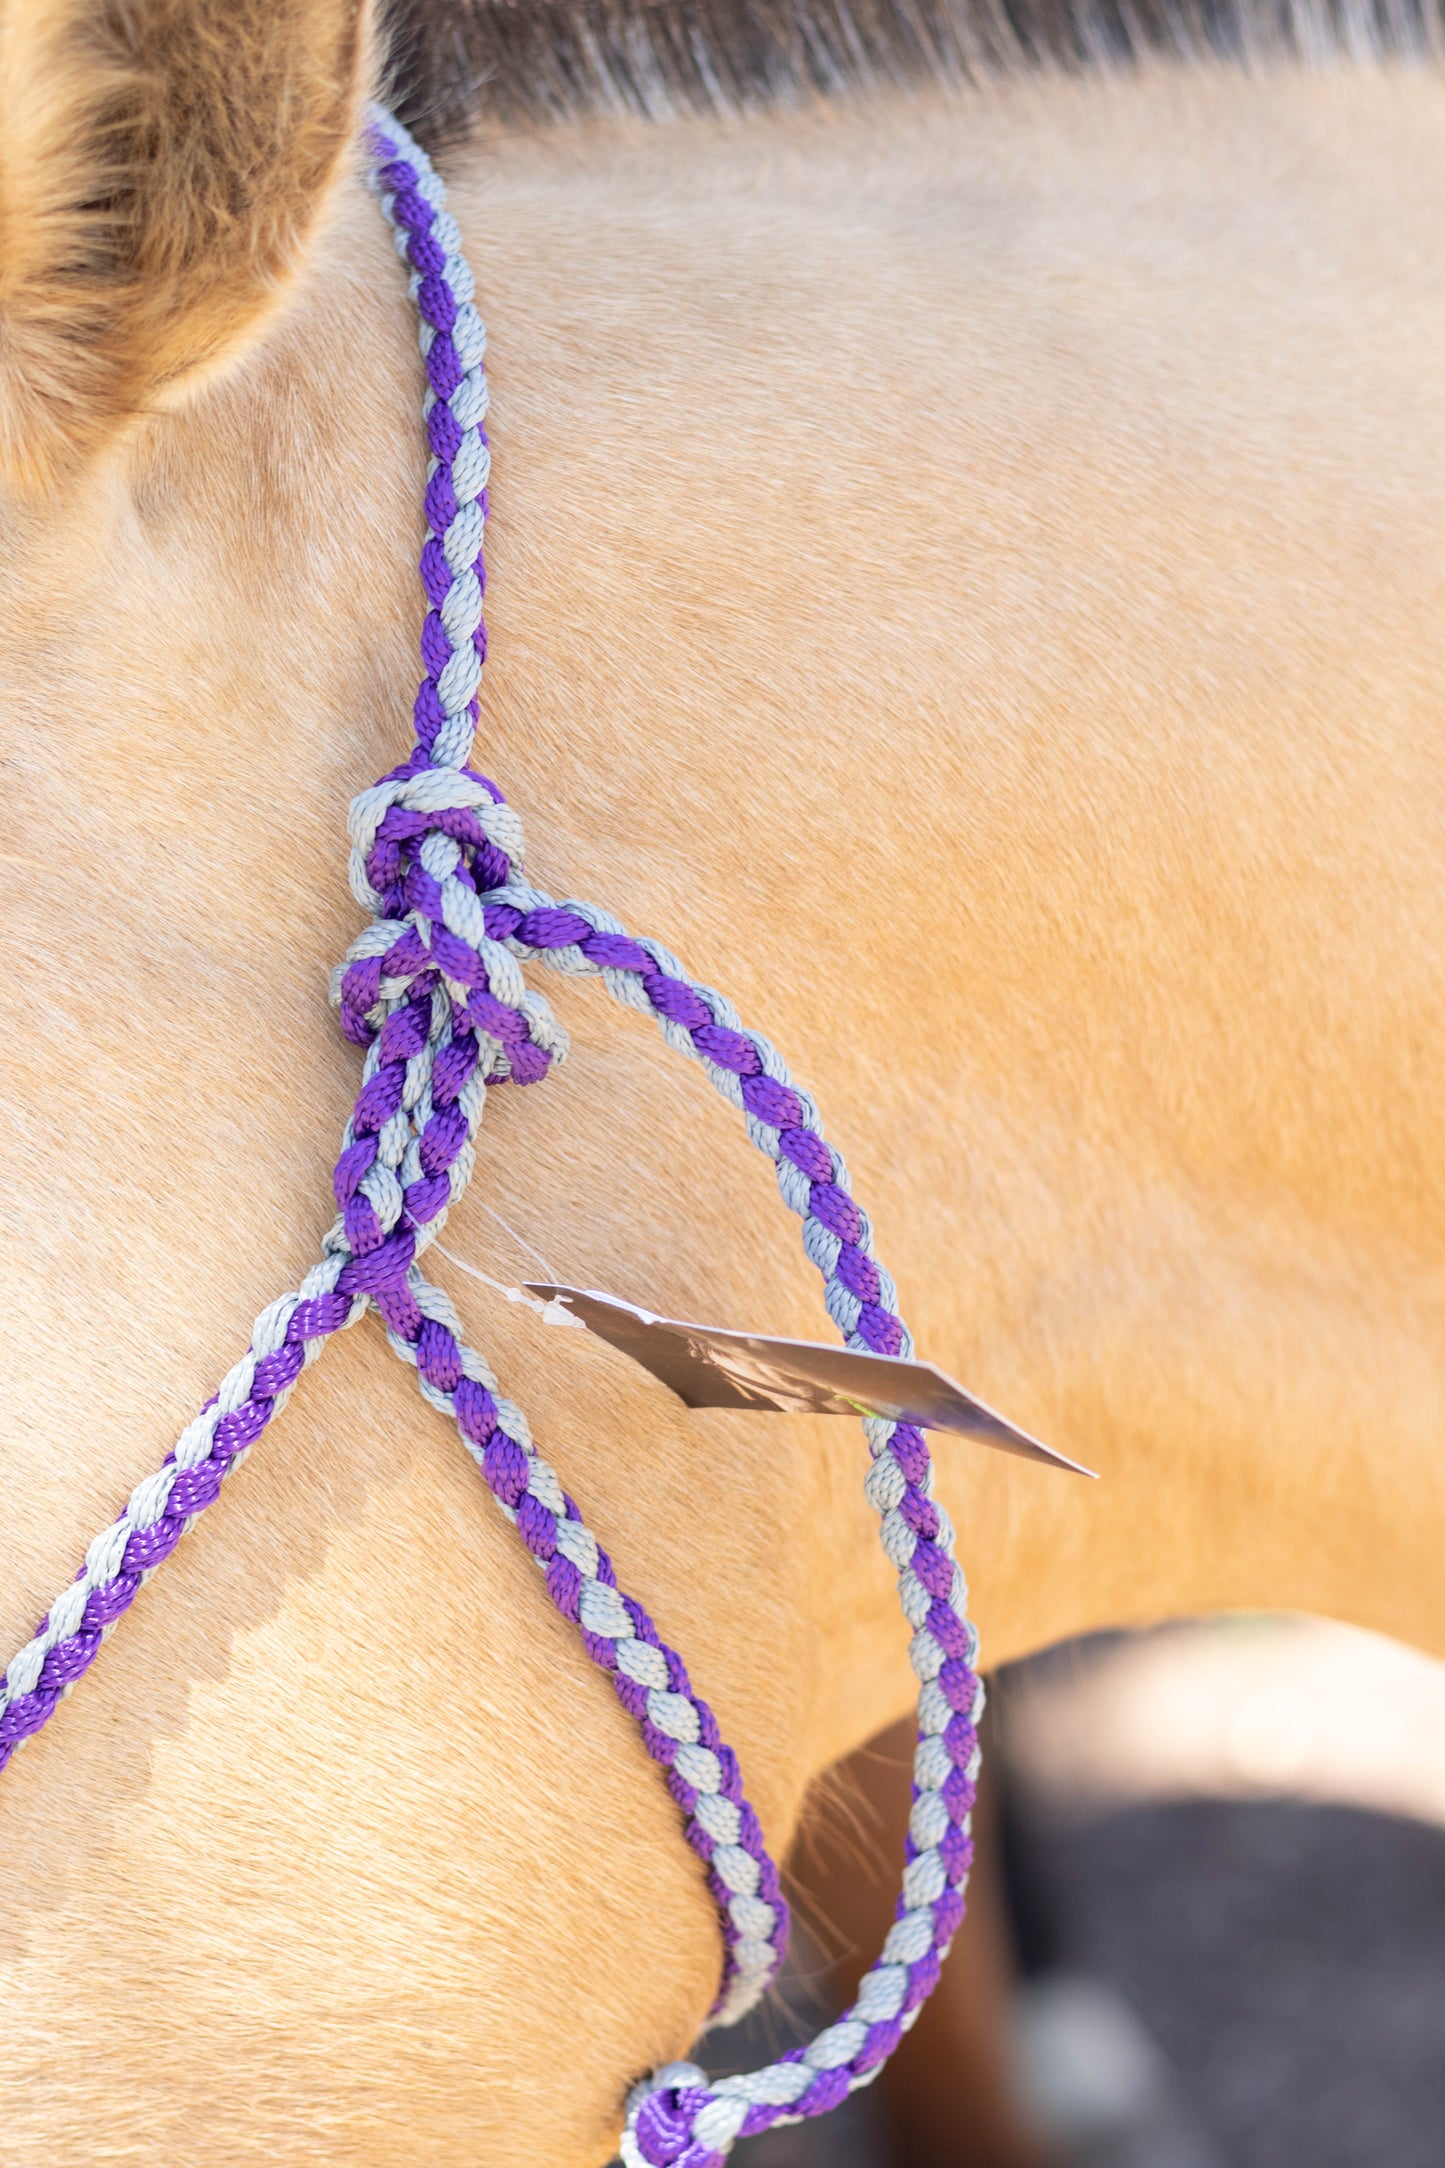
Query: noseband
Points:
[433, 989]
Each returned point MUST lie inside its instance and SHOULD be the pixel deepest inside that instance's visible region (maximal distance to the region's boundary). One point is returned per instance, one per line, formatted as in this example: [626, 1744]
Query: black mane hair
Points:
[454, 62]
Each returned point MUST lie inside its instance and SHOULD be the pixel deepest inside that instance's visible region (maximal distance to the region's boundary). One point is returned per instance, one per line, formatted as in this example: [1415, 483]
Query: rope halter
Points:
[433, 989]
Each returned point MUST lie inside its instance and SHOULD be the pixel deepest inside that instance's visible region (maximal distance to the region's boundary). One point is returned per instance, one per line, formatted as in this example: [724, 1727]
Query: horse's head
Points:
[949, 583]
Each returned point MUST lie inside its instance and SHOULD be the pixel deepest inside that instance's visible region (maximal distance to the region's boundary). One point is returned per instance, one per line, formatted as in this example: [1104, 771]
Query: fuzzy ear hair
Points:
[161, 165]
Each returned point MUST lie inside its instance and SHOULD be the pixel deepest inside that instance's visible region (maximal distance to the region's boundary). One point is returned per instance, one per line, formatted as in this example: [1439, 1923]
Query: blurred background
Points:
[1207, 1926]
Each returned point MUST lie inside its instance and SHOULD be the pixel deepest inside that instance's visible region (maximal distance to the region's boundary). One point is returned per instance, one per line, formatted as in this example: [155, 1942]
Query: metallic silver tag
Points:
[709, 1368]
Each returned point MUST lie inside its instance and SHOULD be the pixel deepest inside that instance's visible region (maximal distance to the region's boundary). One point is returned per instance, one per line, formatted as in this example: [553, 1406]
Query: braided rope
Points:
[433, 989]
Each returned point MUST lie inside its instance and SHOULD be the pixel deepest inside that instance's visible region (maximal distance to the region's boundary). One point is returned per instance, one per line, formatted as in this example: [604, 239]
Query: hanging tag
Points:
[709, 1368]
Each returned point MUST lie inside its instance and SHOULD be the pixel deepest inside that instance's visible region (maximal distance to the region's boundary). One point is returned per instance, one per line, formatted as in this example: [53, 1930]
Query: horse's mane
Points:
[455, 61]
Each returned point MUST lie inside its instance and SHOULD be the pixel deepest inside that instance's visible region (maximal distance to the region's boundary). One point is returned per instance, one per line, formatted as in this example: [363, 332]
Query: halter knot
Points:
[661, 2130]
[428, 845]
[414, 799]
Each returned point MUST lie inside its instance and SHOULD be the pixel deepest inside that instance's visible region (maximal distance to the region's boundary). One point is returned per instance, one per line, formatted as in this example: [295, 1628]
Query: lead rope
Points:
[433, 989]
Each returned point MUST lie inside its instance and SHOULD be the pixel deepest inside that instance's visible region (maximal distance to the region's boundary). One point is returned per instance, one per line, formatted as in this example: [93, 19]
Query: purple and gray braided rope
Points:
[433, 989]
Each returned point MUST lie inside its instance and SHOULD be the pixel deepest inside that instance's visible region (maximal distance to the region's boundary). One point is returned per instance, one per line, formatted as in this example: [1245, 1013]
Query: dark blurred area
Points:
[1207, 1926]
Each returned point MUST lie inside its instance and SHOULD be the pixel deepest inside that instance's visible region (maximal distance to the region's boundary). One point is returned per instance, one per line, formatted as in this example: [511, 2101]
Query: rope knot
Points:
[661, 2127]
[437, 998]
[428, 846]
[388, 822]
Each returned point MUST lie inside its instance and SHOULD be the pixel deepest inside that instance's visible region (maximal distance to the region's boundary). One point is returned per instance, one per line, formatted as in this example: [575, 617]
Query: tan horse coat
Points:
[967, 573]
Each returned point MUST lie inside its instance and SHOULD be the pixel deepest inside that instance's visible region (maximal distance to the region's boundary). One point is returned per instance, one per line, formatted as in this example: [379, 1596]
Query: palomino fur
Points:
[966, 572]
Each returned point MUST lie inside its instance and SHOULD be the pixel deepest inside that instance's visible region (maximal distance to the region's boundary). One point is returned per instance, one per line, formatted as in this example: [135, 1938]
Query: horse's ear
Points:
[162, 163]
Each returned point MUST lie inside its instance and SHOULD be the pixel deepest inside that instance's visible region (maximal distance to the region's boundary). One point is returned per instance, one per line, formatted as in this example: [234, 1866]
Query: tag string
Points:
[433, 990]
[551, 1313]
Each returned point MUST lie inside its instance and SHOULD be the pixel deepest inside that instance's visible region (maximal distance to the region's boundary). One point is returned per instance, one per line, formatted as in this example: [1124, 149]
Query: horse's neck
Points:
[968, 574]
[965, 576]
[968, 584]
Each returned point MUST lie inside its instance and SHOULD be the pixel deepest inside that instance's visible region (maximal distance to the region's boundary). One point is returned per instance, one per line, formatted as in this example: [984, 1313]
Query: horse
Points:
[968, 512]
